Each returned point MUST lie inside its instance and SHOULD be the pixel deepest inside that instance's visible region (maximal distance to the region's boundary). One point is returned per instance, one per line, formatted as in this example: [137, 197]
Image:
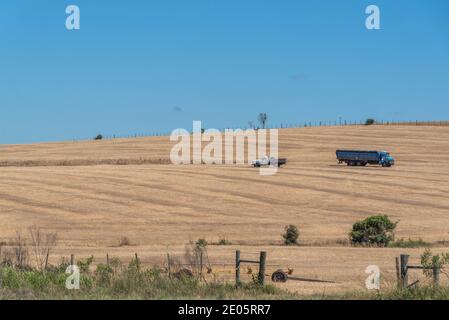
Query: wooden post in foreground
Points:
[237, 267]
[262, 261]
[168, 265]
[137, 261]
[436, 275]
[201, 263]
[398, 273]
[404, 270]
[46, 259]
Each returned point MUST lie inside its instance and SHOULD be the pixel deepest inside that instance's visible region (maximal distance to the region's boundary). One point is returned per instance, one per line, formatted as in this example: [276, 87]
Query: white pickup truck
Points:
[268, 161]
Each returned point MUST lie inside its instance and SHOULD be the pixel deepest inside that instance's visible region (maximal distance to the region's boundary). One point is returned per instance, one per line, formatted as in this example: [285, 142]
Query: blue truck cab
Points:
[362, 158]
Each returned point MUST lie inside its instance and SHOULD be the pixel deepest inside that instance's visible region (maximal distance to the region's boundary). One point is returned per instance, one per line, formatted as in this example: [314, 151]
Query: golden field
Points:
[93, 193]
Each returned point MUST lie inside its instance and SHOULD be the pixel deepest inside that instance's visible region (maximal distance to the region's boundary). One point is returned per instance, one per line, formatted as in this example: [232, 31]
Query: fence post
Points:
[436, 275]
[136, 257]
[398, 272]
[201, 262]
[237, 267]
[72, 259]
[262, 260]
[46, 258]
[168, 265]
[107, 259]
[404, 269]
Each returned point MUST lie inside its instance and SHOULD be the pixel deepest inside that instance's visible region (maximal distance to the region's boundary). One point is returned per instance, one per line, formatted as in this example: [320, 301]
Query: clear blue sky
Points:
[145, 66]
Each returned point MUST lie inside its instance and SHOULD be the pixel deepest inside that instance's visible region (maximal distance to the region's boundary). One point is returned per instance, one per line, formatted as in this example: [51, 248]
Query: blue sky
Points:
[145, 66]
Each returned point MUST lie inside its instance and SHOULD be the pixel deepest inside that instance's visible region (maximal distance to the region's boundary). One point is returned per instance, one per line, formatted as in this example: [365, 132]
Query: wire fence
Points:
[291, 125]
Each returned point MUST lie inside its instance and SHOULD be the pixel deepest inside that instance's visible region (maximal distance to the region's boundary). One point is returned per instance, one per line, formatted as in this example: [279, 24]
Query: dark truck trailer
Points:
[362, 158]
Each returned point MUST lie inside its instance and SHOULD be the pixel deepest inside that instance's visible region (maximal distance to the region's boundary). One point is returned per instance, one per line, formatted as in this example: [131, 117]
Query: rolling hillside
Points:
[93, 193]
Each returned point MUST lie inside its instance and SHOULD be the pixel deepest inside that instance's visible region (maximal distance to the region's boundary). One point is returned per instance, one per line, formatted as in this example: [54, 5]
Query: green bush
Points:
[224, 242]
[291, 235]
[375, 230]
[84, 265]
[201, 243]
[370, 122]
[429, 261]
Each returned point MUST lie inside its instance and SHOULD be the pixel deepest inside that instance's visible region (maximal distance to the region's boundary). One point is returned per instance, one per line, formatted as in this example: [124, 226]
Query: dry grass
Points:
[163, 206]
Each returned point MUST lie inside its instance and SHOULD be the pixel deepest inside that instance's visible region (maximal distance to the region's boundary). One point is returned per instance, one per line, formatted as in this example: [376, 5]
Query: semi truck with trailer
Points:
[362, 158]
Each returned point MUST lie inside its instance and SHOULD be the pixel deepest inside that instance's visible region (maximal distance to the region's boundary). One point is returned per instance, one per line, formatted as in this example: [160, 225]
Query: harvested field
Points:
[93, 193]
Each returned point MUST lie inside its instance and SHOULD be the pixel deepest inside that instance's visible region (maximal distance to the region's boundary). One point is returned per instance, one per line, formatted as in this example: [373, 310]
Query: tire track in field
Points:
[215, 191]
[127, 196]
[390, 183]
[400, 173]
[116, 194]
[374, 182]
[333, 191]
[39, 204]
[42, 186]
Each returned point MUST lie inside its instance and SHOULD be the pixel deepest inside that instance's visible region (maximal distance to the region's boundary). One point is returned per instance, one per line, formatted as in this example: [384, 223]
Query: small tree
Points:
[99, 137]
[430, 261]
[262, 118]
[375, 230]
[42, 243]
[291, 235]
[19, 253]
[370, 122]
[196, 255]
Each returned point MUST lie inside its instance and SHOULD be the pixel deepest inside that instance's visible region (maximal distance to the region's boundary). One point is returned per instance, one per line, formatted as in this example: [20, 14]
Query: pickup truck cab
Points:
[268, 161]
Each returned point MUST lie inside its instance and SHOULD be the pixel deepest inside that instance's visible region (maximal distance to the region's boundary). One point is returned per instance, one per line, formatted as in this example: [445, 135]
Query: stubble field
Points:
[94, 193]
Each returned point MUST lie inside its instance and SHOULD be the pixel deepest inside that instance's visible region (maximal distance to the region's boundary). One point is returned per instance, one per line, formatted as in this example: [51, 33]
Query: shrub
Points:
[291, 235]
[84, 265]
[124, 241]
[196, 255]
[201, 243]
[99, 137]
[223, 241]
[375, 230]
[430, 261]
[16, 254]
[41, 243]
[370, 122]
